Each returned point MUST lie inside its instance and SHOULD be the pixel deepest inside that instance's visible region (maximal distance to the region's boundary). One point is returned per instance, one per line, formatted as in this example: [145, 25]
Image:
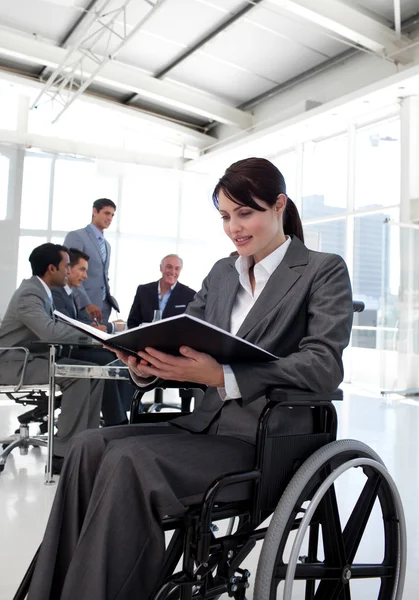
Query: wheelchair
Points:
[312, 549]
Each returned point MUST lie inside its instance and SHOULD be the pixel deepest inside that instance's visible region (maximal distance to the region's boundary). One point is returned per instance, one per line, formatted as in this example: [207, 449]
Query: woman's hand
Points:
[191, 366]
[135, 364]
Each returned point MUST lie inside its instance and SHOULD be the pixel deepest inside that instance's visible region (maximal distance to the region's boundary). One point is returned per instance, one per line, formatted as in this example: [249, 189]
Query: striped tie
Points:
[102, 245]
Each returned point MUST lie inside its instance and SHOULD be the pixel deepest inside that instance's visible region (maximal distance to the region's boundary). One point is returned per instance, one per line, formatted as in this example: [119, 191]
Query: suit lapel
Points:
[279, 284]
[72, 304]
[93, 237]
[227, 292]
[175, 296]
[48, 305]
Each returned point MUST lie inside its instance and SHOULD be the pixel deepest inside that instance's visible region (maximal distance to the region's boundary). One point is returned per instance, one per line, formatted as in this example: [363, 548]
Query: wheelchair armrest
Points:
[158, 417]
[358, 306]
[283, 398]
[284, 395]
[165, 384]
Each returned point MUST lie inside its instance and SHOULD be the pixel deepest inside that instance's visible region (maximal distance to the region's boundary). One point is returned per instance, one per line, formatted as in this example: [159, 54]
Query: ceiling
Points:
[199, 63]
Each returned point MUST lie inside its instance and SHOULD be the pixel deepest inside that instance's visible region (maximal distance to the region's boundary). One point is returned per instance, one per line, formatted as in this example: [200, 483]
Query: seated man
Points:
[116, 394]
[167, 295]
[29, 318]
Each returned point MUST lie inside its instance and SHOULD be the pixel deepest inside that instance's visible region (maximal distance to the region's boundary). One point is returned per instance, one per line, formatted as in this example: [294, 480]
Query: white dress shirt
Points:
[245, 300]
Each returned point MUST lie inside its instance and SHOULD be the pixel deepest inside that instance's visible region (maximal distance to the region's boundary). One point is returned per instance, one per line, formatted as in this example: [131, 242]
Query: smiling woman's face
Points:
[255, 233]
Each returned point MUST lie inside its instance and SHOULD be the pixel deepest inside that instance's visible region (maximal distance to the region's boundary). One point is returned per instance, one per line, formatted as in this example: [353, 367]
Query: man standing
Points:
[167, 295]
[94, 295]
[117, 395]
[29, 318]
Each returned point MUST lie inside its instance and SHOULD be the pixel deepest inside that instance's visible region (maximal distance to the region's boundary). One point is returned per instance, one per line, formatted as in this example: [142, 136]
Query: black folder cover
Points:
[169, 334]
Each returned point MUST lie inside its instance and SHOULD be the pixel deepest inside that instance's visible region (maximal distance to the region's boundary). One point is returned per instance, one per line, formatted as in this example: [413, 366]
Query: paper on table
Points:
[80, 325]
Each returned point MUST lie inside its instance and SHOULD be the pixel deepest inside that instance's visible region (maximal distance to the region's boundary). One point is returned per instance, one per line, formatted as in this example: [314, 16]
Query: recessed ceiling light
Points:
[401, 87]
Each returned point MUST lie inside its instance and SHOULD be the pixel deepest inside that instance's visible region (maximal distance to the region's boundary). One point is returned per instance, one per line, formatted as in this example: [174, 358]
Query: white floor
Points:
[389, 426]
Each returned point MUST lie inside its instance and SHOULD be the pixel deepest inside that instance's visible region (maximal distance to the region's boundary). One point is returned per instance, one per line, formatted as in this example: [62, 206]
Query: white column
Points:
[9, 229]
[408, 347]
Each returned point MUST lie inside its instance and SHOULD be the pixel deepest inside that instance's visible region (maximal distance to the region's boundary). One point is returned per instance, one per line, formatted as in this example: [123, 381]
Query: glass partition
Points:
[377, 165]
[384, 353]
[399, 315]
[325, 174]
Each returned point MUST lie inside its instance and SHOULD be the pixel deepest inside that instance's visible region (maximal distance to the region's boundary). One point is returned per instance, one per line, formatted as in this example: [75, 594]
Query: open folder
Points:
[171, 333]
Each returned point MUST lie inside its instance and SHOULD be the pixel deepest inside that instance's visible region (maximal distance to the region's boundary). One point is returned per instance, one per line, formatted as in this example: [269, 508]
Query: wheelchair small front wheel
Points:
[338, 531]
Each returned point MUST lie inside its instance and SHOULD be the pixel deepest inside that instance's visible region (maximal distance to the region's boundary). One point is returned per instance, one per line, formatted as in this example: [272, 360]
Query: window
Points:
[150, 203]
[4, 186]
[198, 216]
[373, 276]
[35, 192]
[26, 244]
[377, 165]
[74, 183]
[325, 171]
[326, 237]
[287, 164]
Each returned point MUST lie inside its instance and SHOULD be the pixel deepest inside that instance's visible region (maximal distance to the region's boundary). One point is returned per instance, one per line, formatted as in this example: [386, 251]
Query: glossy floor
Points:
[389, 426]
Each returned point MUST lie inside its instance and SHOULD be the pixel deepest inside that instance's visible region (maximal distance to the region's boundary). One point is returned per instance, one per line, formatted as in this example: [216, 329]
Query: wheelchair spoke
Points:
[333, 542]
[332, 583]
[357, 522]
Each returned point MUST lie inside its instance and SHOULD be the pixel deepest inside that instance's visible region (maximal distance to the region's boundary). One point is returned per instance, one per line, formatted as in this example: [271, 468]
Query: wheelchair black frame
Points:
[193, 536]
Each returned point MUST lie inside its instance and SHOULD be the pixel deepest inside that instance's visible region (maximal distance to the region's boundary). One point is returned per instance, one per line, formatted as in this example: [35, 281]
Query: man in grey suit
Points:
[29, 318]
[94, 294]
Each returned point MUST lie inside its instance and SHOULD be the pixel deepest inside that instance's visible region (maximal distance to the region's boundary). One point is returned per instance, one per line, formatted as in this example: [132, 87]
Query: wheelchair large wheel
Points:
[338, 563]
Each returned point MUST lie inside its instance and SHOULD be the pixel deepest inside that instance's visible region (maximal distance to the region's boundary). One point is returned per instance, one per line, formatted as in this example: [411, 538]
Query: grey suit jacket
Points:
[29, 318]
[91, 290]
[303, 316]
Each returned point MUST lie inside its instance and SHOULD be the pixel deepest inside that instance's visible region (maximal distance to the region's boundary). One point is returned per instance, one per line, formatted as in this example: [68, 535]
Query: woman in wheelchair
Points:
[104, 538]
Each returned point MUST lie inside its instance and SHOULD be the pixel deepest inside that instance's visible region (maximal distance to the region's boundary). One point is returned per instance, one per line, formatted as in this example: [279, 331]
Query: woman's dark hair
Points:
[44, 255]
[253, 178]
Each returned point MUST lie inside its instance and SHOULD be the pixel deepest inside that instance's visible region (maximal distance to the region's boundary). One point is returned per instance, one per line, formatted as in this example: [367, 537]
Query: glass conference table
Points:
[72, 371]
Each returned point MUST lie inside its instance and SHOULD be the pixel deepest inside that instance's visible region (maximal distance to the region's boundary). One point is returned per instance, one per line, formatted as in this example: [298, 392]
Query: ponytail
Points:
[292, 222]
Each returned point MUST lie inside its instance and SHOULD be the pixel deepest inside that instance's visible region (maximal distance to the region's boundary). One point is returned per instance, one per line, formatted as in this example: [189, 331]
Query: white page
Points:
[87, 328]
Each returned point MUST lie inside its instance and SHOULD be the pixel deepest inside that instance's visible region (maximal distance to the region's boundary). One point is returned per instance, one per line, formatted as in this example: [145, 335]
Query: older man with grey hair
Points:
[167, 295]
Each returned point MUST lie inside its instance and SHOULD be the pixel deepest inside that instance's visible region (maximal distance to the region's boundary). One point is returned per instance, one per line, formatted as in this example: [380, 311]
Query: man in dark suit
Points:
[94, 295]
[116, 394]
[167, 295]
[29, 318]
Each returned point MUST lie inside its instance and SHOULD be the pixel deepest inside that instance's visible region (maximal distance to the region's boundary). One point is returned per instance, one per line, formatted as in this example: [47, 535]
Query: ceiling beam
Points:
[128, 79]
[80, 25]
[232, 18]
[350, 23]
[163, 129]
[79, 148]
[83, 22]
